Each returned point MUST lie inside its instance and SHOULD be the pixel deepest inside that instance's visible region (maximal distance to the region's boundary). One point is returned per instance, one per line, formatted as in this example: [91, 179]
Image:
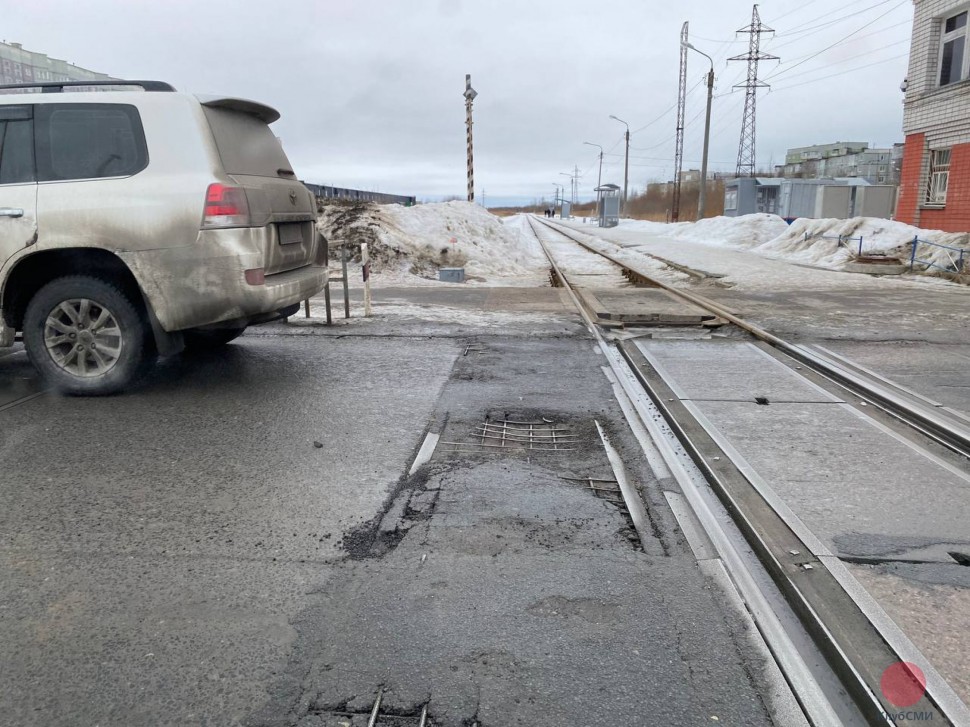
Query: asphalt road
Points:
[187, 553]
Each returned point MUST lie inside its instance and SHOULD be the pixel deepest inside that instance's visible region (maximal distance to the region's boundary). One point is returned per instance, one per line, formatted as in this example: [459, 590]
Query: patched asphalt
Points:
[185, 554]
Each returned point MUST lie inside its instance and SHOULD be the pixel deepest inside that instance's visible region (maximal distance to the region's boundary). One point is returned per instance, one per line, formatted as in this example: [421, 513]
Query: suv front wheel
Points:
[85, 336]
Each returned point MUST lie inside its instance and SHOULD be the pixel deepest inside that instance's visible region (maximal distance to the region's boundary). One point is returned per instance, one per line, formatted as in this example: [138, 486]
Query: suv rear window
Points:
[246, 144]
[16, 145]
[88, 141]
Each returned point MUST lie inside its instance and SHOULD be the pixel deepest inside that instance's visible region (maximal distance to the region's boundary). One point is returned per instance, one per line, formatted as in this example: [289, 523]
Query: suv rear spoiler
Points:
[262, 112]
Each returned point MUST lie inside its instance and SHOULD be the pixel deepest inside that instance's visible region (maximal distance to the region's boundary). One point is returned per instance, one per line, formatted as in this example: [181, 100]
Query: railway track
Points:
[830, 639]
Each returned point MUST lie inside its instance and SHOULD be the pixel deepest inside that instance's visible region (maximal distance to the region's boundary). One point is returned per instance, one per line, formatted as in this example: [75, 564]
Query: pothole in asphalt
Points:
[353, 713]
[609, 489]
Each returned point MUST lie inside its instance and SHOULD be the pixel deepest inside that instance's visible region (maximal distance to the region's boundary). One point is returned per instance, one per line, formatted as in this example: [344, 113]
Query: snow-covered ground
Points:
[761, 251]
[409, 244]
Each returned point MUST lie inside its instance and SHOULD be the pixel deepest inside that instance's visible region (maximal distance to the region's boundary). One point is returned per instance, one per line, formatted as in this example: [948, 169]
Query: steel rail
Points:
[799, 677]
[928, 420]
[950, 707]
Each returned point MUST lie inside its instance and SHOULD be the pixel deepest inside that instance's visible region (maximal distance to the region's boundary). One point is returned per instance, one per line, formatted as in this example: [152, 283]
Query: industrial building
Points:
[817, 198]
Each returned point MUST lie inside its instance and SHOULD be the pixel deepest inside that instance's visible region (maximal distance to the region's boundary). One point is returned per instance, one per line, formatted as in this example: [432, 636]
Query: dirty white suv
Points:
[141, 220]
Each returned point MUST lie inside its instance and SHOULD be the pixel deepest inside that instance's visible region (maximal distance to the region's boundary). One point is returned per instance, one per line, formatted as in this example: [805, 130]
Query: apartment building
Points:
[18, 65]
[843, 159]
[816, 152]
[935, 187]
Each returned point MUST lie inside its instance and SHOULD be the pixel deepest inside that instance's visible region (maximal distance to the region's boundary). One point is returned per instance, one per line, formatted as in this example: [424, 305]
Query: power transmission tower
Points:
[679, 144]
[746, 147]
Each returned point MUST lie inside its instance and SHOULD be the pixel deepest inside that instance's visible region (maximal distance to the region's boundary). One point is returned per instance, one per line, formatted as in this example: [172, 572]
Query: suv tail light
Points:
[225, 206]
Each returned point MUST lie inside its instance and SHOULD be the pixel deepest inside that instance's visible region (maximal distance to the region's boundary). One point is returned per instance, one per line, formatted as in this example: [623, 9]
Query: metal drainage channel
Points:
[796, 626]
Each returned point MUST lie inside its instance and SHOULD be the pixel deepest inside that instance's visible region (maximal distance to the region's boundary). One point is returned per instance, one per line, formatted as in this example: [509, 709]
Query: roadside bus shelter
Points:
[609, 205]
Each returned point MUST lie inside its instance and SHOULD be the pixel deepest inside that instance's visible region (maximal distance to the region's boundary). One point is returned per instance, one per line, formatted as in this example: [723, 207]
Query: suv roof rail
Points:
[59, 86]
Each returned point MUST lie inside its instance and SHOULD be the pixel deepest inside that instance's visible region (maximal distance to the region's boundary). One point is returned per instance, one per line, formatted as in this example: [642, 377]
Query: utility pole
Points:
[626, 161]
[679, 139]
[599, 176]
[702, 193]
[470, 95]
[747, 160]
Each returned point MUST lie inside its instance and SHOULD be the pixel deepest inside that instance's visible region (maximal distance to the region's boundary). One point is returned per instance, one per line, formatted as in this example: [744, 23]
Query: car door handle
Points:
[11, 212]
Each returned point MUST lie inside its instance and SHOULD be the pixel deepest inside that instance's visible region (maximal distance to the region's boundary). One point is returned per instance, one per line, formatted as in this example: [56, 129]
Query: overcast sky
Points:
[371, 92]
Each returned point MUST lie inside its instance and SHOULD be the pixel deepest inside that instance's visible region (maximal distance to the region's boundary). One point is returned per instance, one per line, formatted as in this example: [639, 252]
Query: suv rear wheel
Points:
[85, 336]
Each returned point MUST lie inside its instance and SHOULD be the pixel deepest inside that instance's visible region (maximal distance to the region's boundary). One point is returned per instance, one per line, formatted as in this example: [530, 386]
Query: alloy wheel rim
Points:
[83, 337]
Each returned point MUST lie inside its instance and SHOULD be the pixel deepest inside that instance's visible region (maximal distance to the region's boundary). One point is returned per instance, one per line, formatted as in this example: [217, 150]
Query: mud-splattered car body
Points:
[187, 204]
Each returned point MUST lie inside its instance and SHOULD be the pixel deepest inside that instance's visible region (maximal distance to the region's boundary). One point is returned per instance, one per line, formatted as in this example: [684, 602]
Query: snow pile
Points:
[810, 241]
[410, 244]
[744, 231]
[816, 241]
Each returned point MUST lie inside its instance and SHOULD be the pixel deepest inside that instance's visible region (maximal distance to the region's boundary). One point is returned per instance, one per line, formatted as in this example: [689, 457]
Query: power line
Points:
[844, 60]
[840, 73]
[664, 114]
[797, 8]
[786, 69]
[813, 28]
[858, 38]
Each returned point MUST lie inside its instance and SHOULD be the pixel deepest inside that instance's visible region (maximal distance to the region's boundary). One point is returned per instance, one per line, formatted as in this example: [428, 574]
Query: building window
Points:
[953, 57]
[730, 199]
[939, 176]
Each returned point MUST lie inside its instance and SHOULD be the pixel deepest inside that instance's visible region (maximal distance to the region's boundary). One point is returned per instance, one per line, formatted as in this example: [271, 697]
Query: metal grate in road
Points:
[510, 435]
[605, 489]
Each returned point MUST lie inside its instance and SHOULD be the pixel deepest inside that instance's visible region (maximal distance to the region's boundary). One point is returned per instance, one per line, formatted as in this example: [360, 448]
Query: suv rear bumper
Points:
[205, 283]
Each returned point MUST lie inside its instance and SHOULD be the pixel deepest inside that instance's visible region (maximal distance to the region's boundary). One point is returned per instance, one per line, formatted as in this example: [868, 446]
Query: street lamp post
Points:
[702, 196]
[626, 161]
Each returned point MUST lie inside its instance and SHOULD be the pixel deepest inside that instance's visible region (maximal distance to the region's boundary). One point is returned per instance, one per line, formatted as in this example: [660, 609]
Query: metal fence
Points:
[844, 240]
[322, 191]
[954, 257]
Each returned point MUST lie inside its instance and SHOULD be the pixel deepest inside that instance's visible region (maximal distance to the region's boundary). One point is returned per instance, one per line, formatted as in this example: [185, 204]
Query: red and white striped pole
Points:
[470, 95]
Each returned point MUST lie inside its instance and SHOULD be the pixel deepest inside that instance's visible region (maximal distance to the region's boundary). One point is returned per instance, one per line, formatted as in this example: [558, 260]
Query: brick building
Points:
[934, 190]
[18, 65]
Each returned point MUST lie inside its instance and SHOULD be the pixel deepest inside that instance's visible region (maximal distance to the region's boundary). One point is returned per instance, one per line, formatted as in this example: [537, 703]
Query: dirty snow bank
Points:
[879, 236]
[808, 241]
[408, 245]
[745, 231]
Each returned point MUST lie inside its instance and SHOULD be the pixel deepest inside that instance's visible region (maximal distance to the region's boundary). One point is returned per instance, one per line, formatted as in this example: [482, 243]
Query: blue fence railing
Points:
[844, 240]
[955, 257]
